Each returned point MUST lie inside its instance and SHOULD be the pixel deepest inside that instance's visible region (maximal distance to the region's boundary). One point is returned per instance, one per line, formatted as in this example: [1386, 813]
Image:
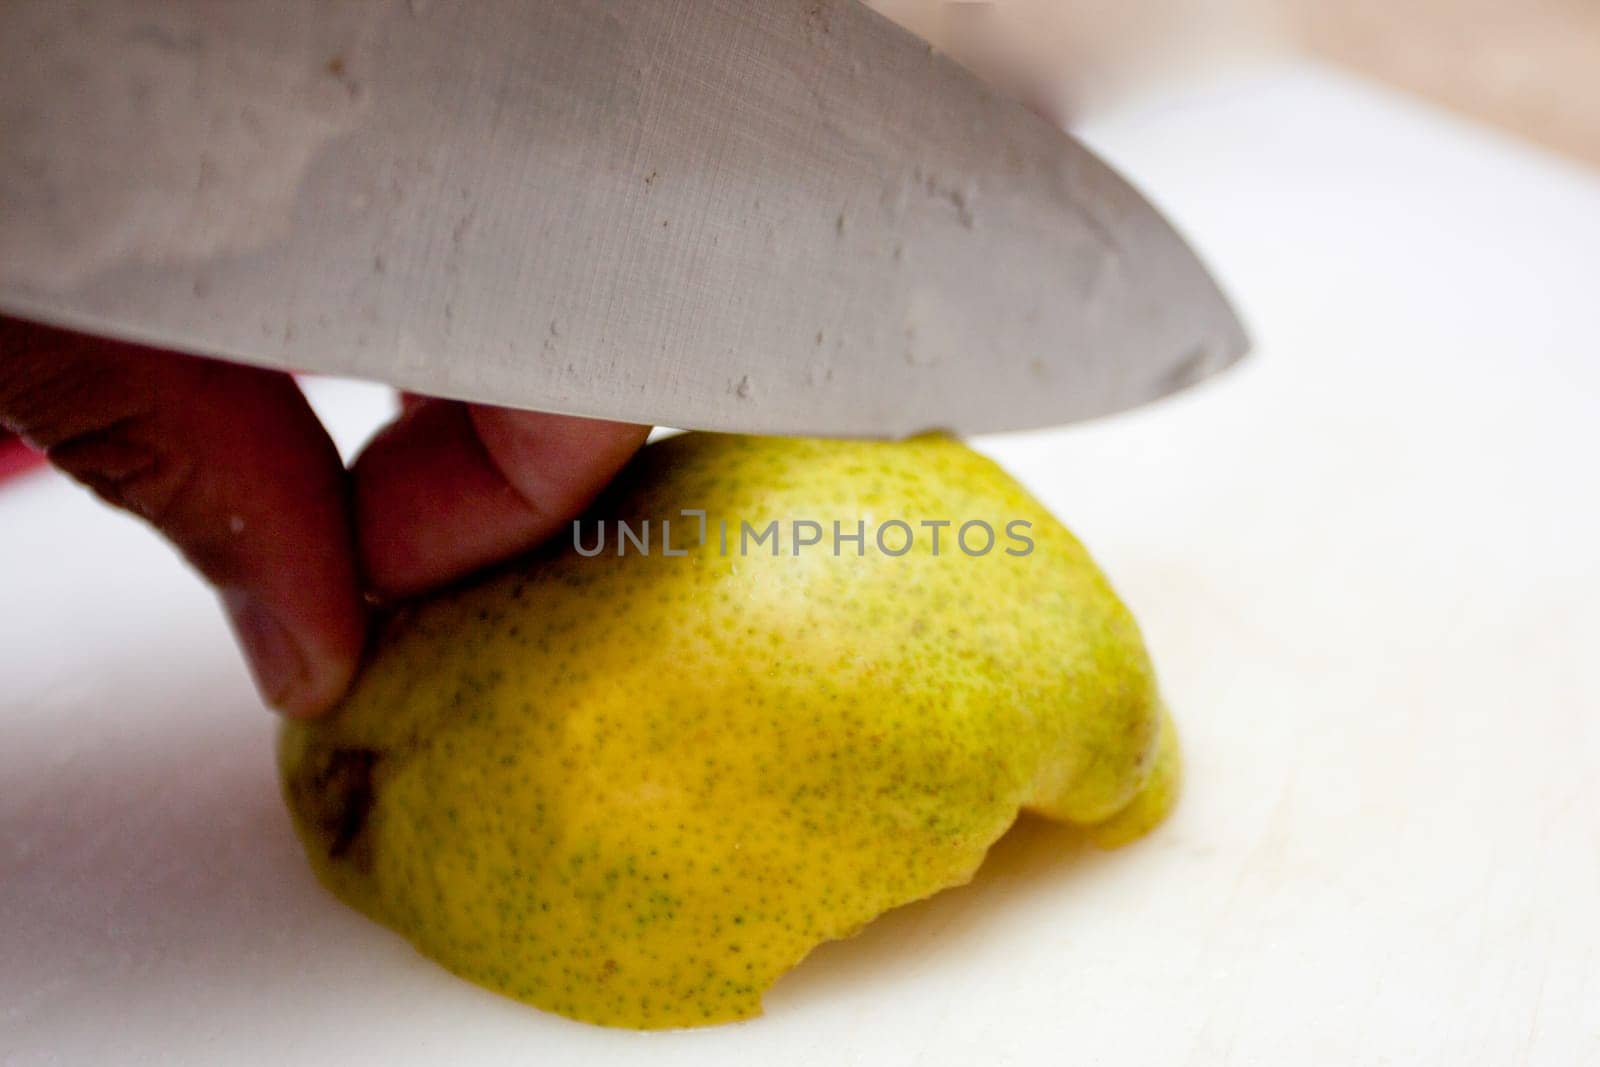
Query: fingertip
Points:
[294, 674]
[429, 504]
[558, 463]
[448, 488]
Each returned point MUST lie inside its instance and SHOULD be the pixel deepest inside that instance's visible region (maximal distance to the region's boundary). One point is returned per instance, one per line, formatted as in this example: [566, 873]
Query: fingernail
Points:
[276, 661]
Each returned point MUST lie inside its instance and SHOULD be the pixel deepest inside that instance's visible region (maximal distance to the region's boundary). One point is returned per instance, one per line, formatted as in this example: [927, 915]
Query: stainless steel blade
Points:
[784, 217]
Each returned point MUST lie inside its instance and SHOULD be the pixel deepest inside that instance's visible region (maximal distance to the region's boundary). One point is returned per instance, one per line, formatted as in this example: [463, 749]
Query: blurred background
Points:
[1532, 68]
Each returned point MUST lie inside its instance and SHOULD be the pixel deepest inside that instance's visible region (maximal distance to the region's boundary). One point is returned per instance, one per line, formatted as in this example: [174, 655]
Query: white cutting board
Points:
[1367, 565]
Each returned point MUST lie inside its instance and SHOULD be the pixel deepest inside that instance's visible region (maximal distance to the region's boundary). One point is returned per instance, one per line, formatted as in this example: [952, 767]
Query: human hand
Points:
[231, 465]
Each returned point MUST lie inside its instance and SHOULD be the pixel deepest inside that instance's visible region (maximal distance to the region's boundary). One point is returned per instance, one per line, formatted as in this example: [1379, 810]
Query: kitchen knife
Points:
[779, 216]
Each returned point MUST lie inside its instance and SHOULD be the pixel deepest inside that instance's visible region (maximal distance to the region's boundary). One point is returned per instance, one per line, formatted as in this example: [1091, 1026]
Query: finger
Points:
[450, 487]
[231, 465]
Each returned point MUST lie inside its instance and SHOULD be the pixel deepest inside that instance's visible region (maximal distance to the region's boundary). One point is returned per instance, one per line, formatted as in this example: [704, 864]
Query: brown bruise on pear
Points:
[637, 790]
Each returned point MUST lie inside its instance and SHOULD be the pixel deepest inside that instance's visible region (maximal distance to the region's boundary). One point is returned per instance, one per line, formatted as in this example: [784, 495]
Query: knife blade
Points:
[776, 216]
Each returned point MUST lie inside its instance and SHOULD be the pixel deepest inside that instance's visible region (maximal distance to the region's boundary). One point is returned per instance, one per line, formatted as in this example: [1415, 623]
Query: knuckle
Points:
[126, 464]
[53, 389]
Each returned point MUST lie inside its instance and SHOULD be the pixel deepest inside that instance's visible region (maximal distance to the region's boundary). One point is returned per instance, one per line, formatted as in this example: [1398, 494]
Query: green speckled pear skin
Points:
[637, 789]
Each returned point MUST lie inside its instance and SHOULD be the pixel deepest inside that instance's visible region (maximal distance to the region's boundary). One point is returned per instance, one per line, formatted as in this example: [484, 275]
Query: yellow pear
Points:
[636, 777]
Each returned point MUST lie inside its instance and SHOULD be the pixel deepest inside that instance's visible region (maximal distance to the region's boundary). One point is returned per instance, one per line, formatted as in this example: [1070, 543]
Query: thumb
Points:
[231, 465]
